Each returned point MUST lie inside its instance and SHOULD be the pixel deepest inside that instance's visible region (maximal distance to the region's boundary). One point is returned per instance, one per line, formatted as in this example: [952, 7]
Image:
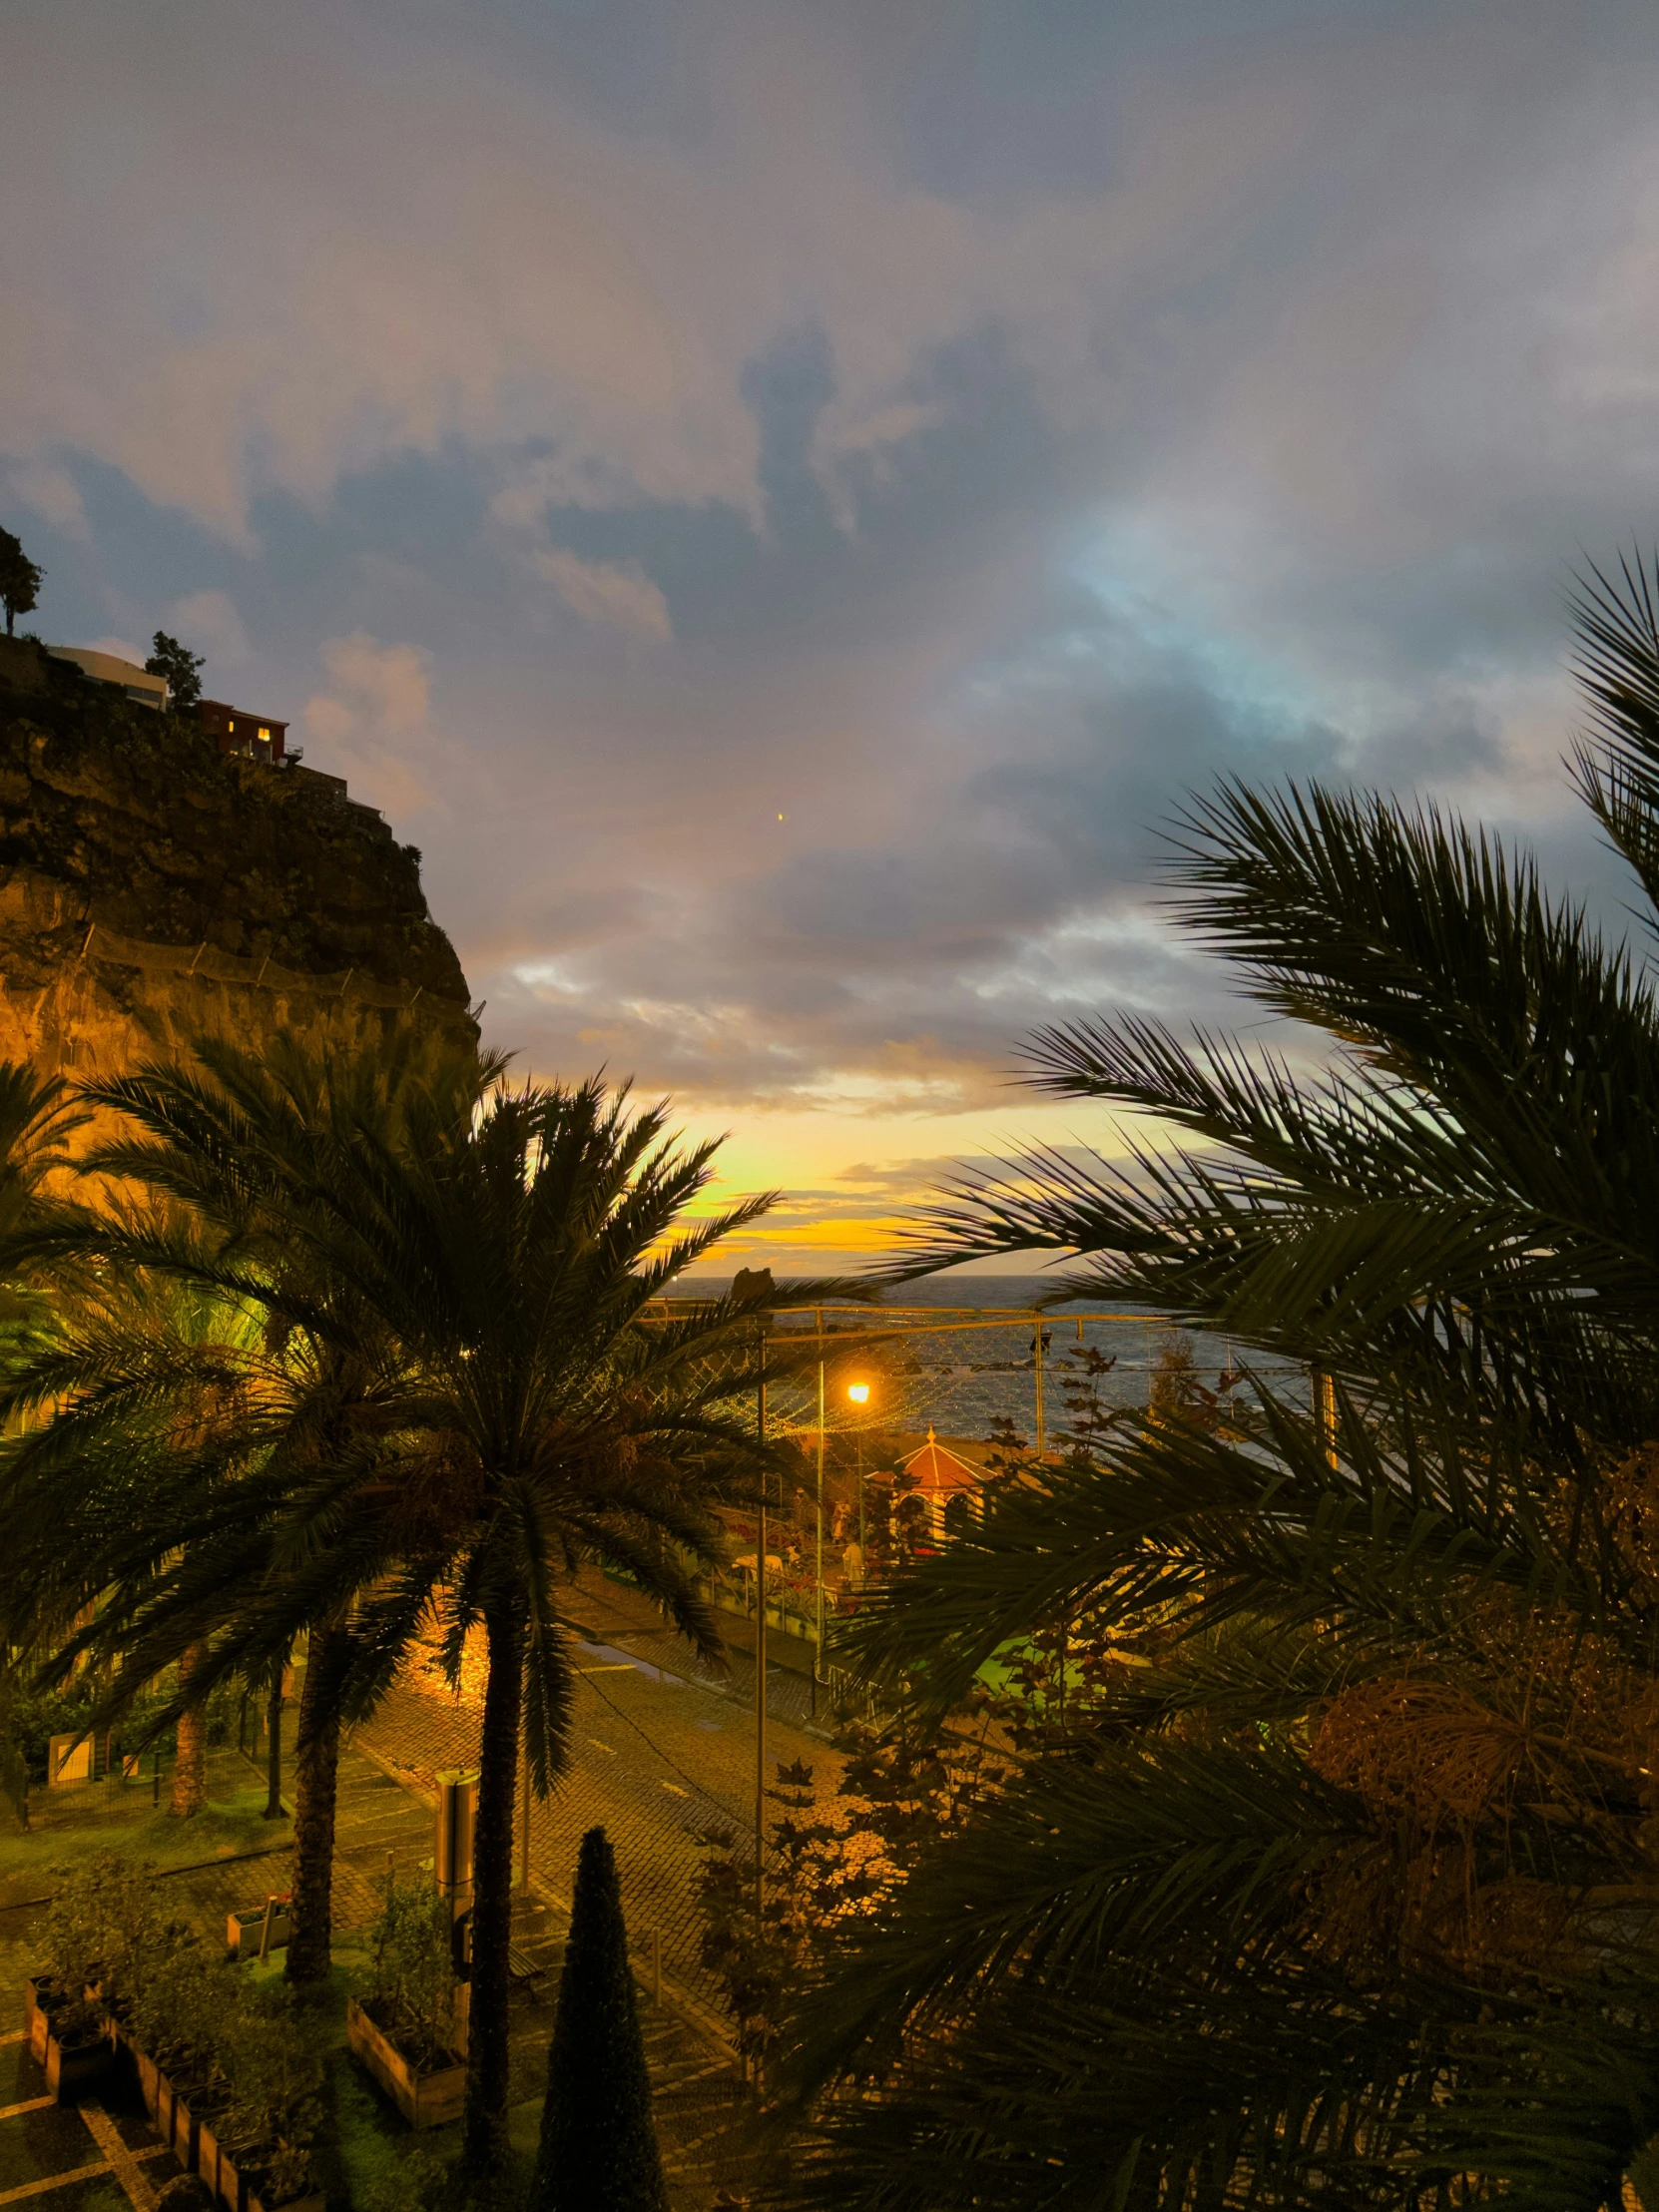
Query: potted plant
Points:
[177, 2016]
[245, 1931]
[404, 2030]
[77, 2048]
[96, 1929]
[229, 2078]
[273, 2105]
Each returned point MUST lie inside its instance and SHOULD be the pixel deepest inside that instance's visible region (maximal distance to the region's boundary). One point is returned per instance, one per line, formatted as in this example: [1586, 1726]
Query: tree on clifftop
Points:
[598, 2139]
[19, 580]
[181, 666]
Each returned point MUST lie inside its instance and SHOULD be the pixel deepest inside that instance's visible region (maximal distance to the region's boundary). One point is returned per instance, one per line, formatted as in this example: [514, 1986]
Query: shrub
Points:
[199, 2017]
[103, 1924]
[183, 2008]
[34, 1717]
[832, 1862]
[598, 2139]
[412, 1968]
[273, 2088]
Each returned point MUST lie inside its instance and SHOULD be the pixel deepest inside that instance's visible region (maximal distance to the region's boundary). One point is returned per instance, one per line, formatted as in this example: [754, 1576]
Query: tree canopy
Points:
[1344, 1882]
[181, 666]
[20, 580]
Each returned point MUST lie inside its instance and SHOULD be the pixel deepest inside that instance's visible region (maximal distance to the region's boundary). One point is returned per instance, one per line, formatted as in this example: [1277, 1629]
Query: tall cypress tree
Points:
[598, 2140]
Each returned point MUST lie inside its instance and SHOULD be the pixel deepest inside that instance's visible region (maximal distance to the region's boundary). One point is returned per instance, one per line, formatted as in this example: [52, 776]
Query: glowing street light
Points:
[858, 1392]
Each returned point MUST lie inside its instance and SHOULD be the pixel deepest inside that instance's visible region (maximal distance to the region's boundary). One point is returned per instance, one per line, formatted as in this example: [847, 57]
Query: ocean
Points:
[939, 1354]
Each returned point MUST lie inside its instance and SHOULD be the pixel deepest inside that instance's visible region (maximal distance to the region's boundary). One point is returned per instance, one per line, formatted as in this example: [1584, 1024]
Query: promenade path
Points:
[662, 1756]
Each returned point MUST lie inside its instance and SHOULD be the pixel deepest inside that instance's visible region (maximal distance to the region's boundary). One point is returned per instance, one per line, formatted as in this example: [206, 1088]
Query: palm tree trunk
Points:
[484, 2124]
[316, 1775]
[190, 1766]
[274, 1752]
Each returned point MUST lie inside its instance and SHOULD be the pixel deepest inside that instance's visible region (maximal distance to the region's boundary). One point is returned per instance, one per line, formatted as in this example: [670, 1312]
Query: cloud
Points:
[607, 592]
[207, 621]
[51, 492]
[384, 689]
[993, 435]
[372, 719]
[294, 303]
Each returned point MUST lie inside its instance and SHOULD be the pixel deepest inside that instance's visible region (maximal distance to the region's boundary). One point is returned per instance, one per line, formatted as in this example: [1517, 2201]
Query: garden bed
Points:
[75, 2060]
[426, 2097]
[190, 2136]
[243, 1931]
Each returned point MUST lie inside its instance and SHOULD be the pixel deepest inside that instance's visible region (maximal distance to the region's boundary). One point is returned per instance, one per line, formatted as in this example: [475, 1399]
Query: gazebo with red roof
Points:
[941, 1476]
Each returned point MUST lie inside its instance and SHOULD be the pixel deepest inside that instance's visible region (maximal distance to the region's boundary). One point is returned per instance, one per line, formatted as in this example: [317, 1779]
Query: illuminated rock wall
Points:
[153, 890]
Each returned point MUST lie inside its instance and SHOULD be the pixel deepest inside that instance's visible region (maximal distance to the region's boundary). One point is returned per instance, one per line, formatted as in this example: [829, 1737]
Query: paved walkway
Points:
[100, 2155]
[663, 1759]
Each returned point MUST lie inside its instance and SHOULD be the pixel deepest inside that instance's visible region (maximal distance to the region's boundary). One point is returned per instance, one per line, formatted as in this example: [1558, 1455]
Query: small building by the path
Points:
[941, 1475]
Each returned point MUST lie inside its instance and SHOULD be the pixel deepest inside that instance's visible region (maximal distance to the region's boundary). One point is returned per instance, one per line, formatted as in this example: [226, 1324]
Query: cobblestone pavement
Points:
[611, 1613]
[661, 1761]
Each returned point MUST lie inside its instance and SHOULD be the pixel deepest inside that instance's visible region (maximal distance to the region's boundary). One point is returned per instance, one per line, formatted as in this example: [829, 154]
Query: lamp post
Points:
[748, 1284]
[818, 1648]
[858, 1392]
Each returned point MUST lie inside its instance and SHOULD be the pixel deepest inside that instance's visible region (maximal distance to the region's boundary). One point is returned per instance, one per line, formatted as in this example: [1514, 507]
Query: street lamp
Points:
[858, 1392]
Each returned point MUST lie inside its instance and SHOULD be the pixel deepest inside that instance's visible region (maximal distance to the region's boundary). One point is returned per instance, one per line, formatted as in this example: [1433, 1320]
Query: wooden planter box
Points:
[207, 2161]
[191, 2139]
[198, 2148]
[176, 2123]
[70, 2071]
[149, 2074]
[231, 2182]
[425, 2100]
[238, 2191]
[33, 2013]
[242, 1930]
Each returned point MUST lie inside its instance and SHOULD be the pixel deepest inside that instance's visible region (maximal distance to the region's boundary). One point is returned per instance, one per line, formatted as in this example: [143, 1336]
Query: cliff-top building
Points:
[256, 737]
[135, 683]
[234, 729]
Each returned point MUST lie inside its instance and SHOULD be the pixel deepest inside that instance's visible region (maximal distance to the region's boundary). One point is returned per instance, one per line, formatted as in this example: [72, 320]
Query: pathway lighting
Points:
[858, 1392]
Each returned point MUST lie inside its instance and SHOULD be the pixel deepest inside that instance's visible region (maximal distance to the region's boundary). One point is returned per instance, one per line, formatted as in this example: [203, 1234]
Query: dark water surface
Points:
[941, 1354]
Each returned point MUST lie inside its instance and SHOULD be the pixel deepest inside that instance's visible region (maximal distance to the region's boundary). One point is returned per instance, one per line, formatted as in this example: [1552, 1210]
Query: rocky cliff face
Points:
[153, 890]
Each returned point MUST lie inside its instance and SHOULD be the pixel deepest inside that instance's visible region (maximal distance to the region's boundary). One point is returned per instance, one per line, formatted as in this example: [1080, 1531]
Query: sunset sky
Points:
[780, 500]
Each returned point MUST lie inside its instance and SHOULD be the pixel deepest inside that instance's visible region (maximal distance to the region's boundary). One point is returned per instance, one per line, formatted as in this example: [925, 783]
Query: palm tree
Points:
[498, 1264]
[236, 1152]
[163, 1340]
[131, 1438]
[143, 1507]
[1347, 1886]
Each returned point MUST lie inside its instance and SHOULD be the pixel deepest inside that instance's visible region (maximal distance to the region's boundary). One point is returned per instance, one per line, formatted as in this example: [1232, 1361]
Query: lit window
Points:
[230, 726]
[264, 737]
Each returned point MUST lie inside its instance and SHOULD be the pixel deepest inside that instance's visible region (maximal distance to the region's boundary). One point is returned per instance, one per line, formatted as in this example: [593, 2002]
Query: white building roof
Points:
[140, 686]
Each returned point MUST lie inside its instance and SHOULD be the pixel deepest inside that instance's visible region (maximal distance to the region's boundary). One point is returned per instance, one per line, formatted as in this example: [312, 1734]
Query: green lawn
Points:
[229, 1824]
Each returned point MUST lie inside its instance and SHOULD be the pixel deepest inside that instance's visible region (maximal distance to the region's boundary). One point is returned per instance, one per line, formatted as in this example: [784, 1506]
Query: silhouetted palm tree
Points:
[164, 1353]
[497, 1263]
[1347, 1886]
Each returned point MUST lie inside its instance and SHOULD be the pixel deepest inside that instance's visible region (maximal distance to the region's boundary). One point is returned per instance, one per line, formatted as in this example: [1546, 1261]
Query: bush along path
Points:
[598, 2141]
